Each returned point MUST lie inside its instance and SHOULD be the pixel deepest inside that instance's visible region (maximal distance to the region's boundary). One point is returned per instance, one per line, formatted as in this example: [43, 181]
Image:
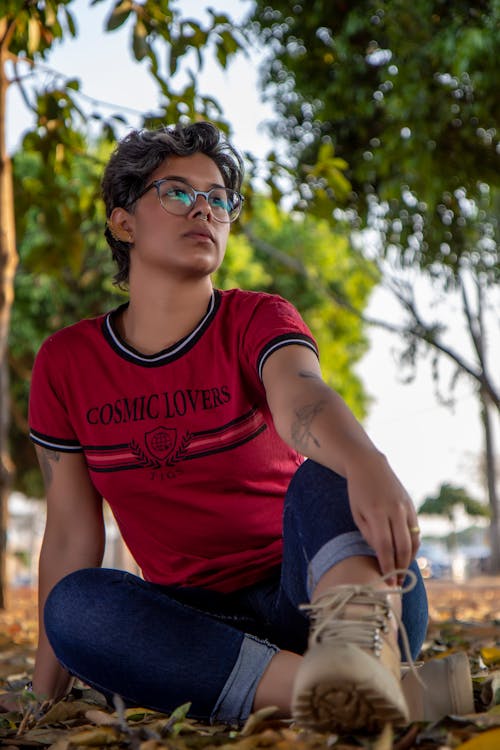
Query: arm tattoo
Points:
[301, 427]
[309, 374]
[45, 457]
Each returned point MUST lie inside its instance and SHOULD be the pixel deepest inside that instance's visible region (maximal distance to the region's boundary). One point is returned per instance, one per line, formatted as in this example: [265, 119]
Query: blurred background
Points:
[370, 132]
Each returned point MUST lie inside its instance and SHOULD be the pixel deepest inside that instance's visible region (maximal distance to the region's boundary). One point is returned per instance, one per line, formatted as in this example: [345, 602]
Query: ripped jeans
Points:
[162, 646]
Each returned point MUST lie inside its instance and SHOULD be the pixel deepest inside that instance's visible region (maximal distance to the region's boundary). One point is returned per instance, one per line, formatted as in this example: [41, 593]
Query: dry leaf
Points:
[485, 741]
[138, 714]
[63, 711]
[100, 718]
[256, 719]
[384, 741]
[61, 744]
[44, 735]
[487, 721]
[490, 655]
[95, 736]
[265, 739]
[151, 745]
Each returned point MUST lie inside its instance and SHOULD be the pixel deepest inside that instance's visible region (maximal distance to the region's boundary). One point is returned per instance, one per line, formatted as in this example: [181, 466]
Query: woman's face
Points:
[186, 246]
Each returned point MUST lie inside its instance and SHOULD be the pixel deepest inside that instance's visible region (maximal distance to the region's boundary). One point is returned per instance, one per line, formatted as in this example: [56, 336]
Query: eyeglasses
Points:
[178, 197]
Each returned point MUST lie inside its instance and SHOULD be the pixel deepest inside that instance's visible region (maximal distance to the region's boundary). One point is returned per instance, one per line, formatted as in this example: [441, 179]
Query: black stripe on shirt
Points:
[286, 339]
[55, 444]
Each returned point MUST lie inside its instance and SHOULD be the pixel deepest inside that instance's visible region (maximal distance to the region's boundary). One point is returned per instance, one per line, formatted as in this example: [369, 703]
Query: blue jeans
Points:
[162, 646]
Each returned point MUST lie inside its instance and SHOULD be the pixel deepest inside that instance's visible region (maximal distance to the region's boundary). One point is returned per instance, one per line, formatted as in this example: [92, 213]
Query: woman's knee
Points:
[70, 605]
[311, 473]
[319, 496]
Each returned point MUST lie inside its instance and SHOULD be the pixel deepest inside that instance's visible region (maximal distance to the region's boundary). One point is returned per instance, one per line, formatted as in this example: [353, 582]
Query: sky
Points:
[426, 443]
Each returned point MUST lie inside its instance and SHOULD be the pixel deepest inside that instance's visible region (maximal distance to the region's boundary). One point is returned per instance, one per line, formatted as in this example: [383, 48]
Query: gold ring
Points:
[414, 529]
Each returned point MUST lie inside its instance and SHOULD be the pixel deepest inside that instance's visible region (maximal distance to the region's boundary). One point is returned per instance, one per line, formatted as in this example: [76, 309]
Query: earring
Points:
[122, 235]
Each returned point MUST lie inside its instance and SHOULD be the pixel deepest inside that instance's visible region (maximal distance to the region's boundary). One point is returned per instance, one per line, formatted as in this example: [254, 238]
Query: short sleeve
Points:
[274, 323]
[49, 421]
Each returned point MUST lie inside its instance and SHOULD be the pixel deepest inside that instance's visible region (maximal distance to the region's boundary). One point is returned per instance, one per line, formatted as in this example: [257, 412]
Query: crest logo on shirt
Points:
[166, 447]
[160, 442]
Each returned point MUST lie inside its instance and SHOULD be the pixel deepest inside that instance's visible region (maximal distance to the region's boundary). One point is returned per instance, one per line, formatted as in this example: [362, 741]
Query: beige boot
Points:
[350, 676]
[445, 688]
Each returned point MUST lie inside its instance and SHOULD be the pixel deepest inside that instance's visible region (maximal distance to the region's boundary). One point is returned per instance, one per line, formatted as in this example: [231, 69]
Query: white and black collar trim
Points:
[166, 355]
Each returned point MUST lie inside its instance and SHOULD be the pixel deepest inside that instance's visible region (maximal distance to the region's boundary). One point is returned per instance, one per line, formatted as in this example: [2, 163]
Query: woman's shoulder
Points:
[243, 298]
[70, 335]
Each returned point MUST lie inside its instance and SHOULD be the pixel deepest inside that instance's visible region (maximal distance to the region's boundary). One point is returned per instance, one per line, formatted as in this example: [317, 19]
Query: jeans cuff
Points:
[338, 549]
[236, 699]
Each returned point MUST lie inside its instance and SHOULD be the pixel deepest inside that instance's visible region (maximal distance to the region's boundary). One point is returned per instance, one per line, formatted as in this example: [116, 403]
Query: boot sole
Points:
[345, 689]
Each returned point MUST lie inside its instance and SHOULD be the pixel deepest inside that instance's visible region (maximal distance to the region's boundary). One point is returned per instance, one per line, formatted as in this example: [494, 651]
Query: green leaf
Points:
[181, 712]
[176, 720]
[221, 53]
[174, 54]
[119, 15]
[139, 43]
[70, 22]
[230, 42]
[219, 19]
[50, 14]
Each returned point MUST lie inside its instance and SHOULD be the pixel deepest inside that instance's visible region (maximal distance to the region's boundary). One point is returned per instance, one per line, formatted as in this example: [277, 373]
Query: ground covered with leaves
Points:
[463, 617]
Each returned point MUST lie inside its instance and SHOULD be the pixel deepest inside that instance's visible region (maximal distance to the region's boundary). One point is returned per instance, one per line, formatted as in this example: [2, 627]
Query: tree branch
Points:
[6, 32]
[474, 324]
[18, 81]
[416, 328]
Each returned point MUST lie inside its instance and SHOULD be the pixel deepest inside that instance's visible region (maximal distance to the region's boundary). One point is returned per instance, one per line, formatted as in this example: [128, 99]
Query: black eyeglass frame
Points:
[157, 183]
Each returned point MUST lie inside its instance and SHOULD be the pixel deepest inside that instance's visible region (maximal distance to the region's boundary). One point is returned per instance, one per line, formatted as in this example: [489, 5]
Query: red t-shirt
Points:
[181, 444]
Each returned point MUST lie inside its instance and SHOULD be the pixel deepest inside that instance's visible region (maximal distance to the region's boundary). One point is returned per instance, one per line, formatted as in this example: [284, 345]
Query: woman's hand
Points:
[384, 512]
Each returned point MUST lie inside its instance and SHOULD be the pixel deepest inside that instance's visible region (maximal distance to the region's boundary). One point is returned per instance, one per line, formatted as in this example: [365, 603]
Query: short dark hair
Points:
[141, 152]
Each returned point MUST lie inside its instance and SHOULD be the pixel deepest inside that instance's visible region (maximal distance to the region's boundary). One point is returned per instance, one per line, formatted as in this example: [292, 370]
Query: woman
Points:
[190, 410]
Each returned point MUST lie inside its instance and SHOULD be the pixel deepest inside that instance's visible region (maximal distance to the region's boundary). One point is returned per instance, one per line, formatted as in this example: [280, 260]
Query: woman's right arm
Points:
[73, 539]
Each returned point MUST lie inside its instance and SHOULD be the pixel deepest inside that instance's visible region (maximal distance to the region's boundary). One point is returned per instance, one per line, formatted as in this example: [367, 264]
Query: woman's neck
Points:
[158, 318]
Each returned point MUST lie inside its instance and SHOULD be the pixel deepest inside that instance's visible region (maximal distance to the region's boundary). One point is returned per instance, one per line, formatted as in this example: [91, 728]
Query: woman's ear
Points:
[119, 225]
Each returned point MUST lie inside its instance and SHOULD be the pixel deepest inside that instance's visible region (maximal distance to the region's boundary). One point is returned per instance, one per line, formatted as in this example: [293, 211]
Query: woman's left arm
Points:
[315, 421]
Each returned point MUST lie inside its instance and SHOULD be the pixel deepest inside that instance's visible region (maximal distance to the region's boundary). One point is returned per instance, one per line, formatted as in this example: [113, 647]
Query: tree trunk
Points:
[8, 263]
[490, 467]
[478, 336]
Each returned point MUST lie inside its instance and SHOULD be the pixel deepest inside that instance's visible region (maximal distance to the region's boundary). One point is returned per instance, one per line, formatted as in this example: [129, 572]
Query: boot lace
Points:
[366, 631]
